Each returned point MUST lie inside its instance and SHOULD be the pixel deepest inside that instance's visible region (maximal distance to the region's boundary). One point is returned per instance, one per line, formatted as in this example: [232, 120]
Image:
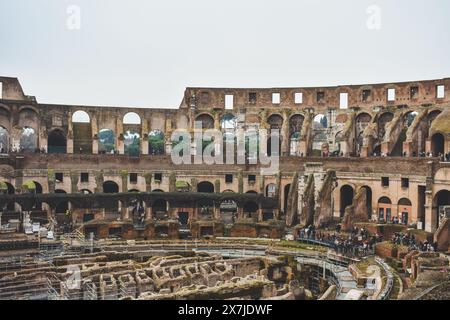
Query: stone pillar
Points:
[94, 129]
[0, 219]
[119, 136]
[260, 215]
[124, 212]
[144, 136]
[285, 135]
[428, 145]
[217, 212]
[69, 134]
[148, 213]
[240, 212]
[430, 217]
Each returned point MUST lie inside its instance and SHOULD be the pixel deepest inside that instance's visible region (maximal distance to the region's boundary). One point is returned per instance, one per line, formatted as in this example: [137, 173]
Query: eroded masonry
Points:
[374, 158]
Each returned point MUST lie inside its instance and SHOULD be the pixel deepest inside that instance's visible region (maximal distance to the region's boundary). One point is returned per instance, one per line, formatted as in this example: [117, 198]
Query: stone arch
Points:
[106, 141]
[160, 206]
[132, 143]
[56, 141]
[228, 211]
[82, 132]
[7, 188]
[228, 122]
[441, 208]
[5, 117]
[205, 209]
[437, 144]
[319, 126]
[250, 209]
[63, 206]
[131, 118]
[156, 142]
[4, 140]
[346, 198]
[275, 121]
[28, 117]
[271, 190]
[85, 191]
[28, 140]
[404, 210]
[110, 187]
[206, 120]
[384, 206]
[252, 192]
[205, 186]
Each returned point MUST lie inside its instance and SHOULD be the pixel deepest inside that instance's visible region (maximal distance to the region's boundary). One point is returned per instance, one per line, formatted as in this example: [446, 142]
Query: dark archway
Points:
[250, 209]
[57, 142]
[346, 198]
[442, 206]
[437, 144]
[110, 187]
[206, 187]
[62, 207]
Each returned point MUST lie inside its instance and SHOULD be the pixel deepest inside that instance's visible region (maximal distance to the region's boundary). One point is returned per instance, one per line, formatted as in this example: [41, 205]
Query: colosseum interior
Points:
[92, 206]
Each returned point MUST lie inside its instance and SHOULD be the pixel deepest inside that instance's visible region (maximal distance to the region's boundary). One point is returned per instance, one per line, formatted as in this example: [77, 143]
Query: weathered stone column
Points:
[284, 134]
[120, 136]
[69, 134]
[144, 137]
[94, 128]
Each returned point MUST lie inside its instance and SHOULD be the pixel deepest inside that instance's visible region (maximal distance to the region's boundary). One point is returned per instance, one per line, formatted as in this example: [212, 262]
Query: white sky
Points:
[144, 53]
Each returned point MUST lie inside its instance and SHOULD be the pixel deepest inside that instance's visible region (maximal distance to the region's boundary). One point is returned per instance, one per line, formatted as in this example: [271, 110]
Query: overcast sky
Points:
[144, 53]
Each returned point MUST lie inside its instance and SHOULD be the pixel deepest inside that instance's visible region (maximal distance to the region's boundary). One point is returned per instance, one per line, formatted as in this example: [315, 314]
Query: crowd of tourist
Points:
[412, 243]
[355, 243]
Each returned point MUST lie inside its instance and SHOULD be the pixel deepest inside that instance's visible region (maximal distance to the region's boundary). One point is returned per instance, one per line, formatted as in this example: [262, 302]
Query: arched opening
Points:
[441, 206]
[204, 121]
[250, 209]
[156, 142]
[132, 143]
[28, 140]
[61, 207]
[160, 209]
[252, 192]
[437, 144]
[4, 140]
[384, 209]
[57, 142]
[275, 121]
[228, 122]
[111, 187]
[82, 132]
[287, 188]
[205, 209]
[295, 128]
[85, 191]
[271, 190]
[404, 210]
[368, 201]
[137, 210]
[131, 118]
[157, 190]
[228, 211]
[205, 187]
[346, 198]
[106, 141]
[320, 139]
[7, 188]
[35, 188]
